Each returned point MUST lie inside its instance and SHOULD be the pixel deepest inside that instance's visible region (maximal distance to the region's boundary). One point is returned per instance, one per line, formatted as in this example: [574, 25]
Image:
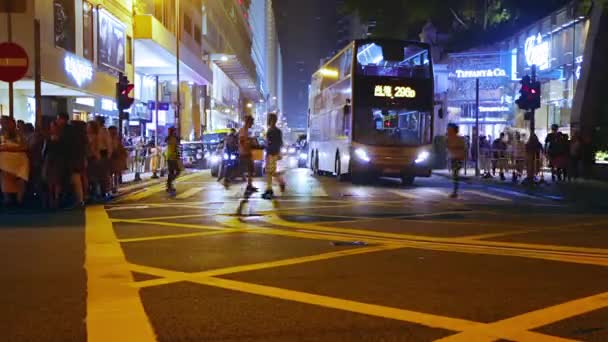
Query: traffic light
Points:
[523, 102]
[123, 88]
[529, 94]
[535, 95]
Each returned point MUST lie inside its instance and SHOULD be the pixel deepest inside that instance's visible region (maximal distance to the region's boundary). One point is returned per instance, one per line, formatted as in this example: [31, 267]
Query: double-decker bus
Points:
[371, 111]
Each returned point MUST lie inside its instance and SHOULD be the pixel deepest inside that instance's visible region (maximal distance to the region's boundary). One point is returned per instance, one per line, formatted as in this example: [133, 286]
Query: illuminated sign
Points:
[394, 92]
[498, 72]
[108, 105]
[329, 72]
[537, 52]
[493, 109]
[80, 70]
[579, 67]
[86, 101]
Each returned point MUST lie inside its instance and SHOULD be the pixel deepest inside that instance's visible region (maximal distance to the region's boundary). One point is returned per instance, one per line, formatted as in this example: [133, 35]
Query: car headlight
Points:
[362, 155]
[233, 157]
[226, 156]
[283, 150]
[303, 156]
[422, 157]
[207, 155]
[292, 150]
[215, 159]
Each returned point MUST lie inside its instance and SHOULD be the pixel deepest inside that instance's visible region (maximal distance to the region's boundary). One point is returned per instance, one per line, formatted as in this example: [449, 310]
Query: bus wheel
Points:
[407, 180]
[316, 167]
[342, 177]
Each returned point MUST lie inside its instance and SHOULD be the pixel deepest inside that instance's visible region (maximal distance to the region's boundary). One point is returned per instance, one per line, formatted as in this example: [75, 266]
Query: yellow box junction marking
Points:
[114, 309]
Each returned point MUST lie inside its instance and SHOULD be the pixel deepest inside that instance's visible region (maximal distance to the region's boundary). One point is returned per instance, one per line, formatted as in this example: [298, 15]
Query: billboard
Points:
[64, 24]
[111, 42]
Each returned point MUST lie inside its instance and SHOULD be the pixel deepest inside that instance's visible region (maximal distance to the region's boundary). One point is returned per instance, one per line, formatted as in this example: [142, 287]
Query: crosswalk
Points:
[188, 188]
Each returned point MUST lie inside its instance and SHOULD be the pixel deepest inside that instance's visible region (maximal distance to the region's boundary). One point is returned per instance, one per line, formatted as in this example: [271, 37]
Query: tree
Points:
[404, 18]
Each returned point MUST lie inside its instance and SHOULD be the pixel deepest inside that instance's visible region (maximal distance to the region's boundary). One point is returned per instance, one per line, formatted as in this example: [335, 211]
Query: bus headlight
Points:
[303, 156]
[291, 150]
[362, 155]
[422, 157]
[226, 156]
[215, 159]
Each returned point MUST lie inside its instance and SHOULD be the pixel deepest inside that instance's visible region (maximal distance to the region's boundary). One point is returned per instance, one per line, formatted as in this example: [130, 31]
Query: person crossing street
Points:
[274, 138]
[172, 158]
[456, 152]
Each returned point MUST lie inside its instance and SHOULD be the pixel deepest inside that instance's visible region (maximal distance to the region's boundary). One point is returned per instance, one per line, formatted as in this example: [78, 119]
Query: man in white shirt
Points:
[456, 152]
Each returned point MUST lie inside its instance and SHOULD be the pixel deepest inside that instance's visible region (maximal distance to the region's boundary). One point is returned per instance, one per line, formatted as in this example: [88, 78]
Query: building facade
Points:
[83, 46]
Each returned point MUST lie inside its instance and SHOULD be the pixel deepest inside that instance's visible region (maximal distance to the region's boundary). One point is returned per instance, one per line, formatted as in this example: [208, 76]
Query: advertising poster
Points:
[111, 42]
[64, 24]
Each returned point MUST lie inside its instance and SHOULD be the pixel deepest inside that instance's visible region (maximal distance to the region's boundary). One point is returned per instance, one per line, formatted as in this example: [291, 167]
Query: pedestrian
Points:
[53, 164]
[14, 164]
[534, 150]
[499, 149]
[246, 153]
[118, 159]
[552, 147]
[575, 157]
[105, 152]
[485, 156]
[92, 184]
[274, 143]
[76, 136]
[228, 153]
[456, 153]
[172, 155]
[518, 155]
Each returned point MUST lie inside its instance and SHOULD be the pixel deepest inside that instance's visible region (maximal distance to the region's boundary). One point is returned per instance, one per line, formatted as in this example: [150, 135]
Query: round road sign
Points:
[13, 62]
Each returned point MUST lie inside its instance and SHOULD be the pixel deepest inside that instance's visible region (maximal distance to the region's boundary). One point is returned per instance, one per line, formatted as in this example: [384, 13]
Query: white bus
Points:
[371, 112]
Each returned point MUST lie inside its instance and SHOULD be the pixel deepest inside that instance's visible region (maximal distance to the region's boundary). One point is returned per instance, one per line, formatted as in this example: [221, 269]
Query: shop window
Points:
[197, 34]
[87, 31]
[129, 50]
[187, 24]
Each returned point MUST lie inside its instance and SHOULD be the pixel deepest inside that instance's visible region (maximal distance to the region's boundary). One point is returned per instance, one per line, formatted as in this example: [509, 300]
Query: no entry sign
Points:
[13, 62]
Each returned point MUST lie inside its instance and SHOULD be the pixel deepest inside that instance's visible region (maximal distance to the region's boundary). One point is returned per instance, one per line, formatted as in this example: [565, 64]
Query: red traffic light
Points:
[128, 89]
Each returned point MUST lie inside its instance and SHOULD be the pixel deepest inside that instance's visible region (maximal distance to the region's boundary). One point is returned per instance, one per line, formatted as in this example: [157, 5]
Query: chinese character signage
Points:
[394, 92]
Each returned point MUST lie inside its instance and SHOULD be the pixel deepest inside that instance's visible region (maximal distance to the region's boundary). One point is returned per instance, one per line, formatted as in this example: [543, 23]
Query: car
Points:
[193, 155]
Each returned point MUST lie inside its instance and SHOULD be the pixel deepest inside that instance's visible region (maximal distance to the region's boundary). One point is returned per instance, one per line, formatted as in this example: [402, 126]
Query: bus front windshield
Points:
[392, 127]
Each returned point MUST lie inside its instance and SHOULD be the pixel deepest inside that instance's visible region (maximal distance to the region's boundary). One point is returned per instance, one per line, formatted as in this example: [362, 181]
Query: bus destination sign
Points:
[394, 92]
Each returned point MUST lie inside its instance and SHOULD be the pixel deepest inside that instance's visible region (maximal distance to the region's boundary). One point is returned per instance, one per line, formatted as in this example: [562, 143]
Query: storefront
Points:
[493, 69]
[556, 46]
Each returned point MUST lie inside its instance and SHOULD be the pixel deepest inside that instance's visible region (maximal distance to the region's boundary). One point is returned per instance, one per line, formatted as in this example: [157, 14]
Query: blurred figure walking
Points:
[274, 142]
[456, 152]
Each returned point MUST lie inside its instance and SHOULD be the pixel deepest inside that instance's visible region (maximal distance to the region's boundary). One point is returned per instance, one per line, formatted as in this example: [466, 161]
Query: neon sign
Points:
[79, 69]
[537, 52]
[493, 109]
[498, 72]
[394, 92]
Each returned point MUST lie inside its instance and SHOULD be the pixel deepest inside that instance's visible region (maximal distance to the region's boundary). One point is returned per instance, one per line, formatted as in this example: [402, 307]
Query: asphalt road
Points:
[325, 261]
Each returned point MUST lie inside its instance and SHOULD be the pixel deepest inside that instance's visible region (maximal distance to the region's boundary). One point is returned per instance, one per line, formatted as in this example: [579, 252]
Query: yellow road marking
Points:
[190, 192]
[174, 217]
[535, 319]
[114, 309]
[494, 235]
[153, 190]
[179, 236]
[168, 224]
[176, 277]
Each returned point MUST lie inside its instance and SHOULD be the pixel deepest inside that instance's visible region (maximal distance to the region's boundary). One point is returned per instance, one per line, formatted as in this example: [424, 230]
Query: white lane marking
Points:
[405, 194]
[486, 195]
[189, 193]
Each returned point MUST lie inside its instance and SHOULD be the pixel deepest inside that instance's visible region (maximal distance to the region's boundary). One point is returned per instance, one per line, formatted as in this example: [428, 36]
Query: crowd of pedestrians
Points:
[60, 164]
[510, 153]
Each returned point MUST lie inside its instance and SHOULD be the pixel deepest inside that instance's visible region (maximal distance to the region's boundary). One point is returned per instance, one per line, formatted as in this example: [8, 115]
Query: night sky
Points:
[307, 33]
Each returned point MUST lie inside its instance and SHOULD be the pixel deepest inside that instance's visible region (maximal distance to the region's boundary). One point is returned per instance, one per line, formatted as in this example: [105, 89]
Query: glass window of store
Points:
[563, 34]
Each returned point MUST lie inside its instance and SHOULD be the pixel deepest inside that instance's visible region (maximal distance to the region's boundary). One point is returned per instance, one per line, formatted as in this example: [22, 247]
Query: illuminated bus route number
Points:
[394, 92]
